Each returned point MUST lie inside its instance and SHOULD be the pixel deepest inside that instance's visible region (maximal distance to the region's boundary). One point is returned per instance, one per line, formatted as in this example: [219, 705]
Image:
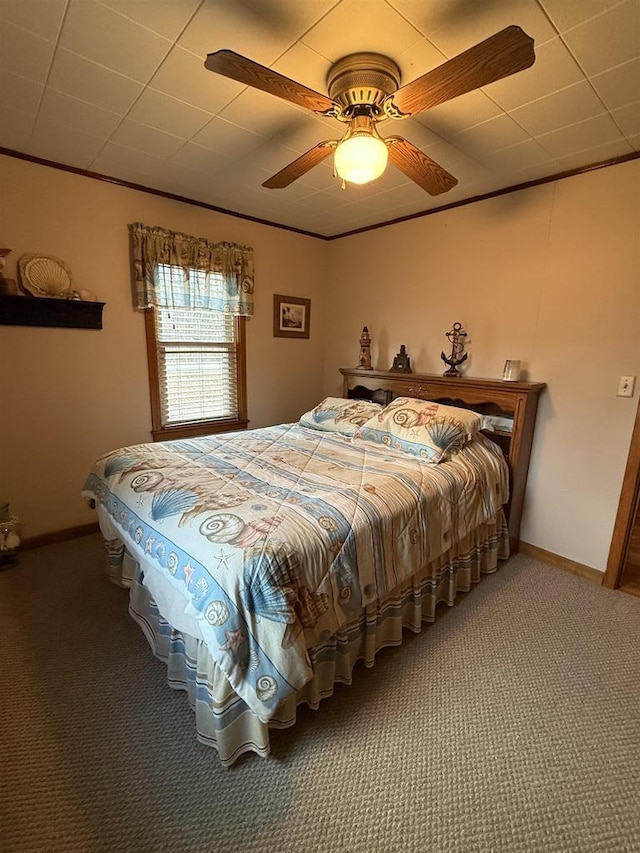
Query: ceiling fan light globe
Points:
[360, 159]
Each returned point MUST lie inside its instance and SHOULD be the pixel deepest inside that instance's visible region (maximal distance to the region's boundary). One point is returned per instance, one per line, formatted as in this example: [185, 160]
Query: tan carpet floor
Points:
[511, 724]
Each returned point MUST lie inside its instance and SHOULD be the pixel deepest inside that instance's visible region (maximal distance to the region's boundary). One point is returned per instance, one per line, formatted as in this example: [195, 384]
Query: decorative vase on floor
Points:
[10, 537]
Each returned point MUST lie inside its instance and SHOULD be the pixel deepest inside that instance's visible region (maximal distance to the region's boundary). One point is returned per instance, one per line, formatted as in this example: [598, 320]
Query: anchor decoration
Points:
[456, 336]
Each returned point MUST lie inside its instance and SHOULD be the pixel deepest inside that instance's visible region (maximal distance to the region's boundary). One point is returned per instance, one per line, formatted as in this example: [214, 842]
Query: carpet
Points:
[511, 724]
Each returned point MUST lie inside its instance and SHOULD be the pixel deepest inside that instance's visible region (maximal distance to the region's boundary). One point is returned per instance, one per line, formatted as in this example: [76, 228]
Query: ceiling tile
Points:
[515, 158]
[76, 76]
[553, 69]
[541, 170]
[24, 54]
[560, 109]
[157, 143]
[471, 23]
[261, 31]
[608, 40]
[273, 157]
[628, 119]
[460, 114]
[103, 36]
[581, 136]
[165, 113]
[63, 144]
[224, 136]
[408, 193]
[20, 94]
[567, 15]
[165, 17]
[183, 76]
[361, 25]
[598, 154]
[15, 128]
[491, 135]
[203, 160]
[620, 85]
[417, 59]
[462, 166]
[120, 161]
[262, 113]
[427, 17]
[305, 66]
[58, 108]
[40, 17]
[306, 133]
[412, 129]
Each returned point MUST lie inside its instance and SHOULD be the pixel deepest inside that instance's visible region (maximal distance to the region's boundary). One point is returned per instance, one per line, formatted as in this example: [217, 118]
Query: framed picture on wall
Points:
[291, 316]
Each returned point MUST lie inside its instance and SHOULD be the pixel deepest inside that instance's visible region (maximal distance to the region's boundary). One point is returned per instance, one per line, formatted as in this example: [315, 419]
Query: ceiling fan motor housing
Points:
[362, 79]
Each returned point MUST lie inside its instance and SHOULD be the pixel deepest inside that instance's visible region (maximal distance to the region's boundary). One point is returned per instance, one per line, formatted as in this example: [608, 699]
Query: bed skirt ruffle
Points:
[223, 720]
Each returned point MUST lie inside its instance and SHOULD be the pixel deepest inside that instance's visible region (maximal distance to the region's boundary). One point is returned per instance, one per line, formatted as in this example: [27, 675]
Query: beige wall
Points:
[69, 395]
[547, 275]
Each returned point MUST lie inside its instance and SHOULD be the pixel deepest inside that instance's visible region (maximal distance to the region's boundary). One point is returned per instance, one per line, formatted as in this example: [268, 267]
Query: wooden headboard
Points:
[515, 402]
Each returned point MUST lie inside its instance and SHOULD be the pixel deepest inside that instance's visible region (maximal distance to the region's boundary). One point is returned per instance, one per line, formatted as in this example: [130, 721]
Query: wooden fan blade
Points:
[420, 168]
[500, 55]
[303, 164]
[244, 70]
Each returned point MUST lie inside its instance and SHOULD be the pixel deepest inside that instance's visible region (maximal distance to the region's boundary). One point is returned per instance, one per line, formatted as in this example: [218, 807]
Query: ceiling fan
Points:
[364, 90]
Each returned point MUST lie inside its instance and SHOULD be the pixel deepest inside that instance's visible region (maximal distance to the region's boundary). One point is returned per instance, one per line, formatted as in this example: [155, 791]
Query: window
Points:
[196, 364]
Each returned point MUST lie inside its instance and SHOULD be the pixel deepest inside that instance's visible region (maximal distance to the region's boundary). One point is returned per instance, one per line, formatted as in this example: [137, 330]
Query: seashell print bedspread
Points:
[267, 541]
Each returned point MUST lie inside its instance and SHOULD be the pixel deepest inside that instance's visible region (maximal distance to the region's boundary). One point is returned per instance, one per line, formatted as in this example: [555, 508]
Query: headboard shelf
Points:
[517, 401]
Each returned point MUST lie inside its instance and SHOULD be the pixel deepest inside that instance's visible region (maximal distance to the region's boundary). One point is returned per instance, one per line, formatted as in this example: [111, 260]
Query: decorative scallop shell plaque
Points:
[45, 275]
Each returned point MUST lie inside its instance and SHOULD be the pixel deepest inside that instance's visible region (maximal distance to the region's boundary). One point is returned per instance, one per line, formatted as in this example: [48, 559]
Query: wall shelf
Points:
[58, 313]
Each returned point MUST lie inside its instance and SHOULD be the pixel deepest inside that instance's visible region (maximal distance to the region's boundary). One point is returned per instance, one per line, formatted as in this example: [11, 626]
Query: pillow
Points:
[335, 414]
[421, 428]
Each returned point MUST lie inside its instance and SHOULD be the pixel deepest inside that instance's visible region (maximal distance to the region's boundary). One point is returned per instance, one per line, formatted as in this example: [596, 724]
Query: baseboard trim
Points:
[562, 562]
[59, 536]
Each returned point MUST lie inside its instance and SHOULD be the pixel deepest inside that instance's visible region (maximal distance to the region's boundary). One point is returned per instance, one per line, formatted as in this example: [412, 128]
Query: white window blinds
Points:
[197, 361]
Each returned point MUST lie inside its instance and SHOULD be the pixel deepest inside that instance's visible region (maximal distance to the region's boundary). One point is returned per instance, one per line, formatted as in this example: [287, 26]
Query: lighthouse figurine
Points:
[365, 350]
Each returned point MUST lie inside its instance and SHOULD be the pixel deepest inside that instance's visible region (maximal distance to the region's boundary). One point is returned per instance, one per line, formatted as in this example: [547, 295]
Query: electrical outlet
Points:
[626, 385]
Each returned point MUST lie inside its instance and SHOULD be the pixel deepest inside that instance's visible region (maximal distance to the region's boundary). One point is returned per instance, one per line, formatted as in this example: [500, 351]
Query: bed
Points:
[262, 565]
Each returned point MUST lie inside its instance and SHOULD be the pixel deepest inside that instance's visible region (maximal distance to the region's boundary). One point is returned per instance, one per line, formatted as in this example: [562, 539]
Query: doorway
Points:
[623, 565]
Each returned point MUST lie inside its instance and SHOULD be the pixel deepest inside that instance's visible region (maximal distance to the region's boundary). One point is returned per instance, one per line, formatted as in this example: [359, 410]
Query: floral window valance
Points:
[174, 270]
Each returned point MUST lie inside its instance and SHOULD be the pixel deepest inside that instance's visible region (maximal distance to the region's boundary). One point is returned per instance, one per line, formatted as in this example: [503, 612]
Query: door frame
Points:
[626, 515]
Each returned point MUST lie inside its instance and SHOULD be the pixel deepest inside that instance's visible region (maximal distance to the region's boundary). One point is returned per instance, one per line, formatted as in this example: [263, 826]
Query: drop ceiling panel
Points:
[119, 87]
[20, 94]
[165, 113]
[167, 18]
[102, 35]
[83, 79]
[568, 106]
[40, 17]
[229, 139]
[554, 69]
[63, 144]
[566, 15]
[183, 76]
[58, 108]
[607, 40]
[470, 23]
[620, 85]
[24, 53]
[361, 25]
[589, 133]
[157, 143]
